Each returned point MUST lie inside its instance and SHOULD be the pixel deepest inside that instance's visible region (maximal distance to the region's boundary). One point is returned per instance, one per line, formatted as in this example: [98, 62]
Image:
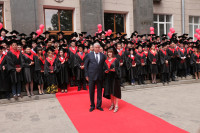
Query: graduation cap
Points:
[22, 34]
[164, 35]
[112, 48]
[38, 48]
[103, 32]
[60, 33]
[138, 45]
[33, 33]
[50, 49]
[80, 34]
[46, 32]
[6, 31]
[14, 32]
[72, 41]
[133, 34]
[190, 38]
[131, 49]
[123, 36]
[119, 33]
[81, 46]
[27, 46]
[74, 35]
[84, 33]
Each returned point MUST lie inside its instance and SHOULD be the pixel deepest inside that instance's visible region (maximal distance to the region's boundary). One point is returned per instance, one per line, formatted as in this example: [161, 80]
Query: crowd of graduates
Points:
[48, 63]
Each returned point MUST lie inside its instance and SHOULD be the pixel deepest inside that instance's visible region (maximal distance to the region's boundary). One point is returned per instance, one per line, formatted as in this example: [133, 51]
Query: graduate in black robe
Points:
[121, 56]
[39, 69]
[112, 89]
[182, 64]
[164, 63]
[140, 64]
[195, 62]
[15, 65]
[131, 66]
[4, 78]
[79, 66]
[50, 71]
[153, 62]
[172, 52]
[72, 51]
[28, 69]
[63, 66]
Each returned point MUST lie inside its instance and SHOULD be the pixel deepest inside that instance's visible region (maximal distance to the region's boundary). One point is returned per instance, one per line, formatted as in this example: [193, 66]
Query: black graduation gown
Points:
[38, 75]
[172, 53]
[132, 71]
[153, 58]
[4, 77]
[79, 61]
[112, 80]
[28, 71]
[63, 76]
[141, 57]
[182, 63]
[72, 54]
[122, 59]
[163, 56]
[194, 59]
[13, 62]
[51, 78]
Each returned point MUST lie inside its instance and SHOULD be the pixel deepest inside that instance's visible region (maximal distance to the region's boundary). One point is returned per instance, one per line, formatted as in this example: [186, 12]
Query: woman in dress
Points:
[39, 69]
[153, 61]
[112, 88]
[50, 70]
[28, 69]
[195, 62]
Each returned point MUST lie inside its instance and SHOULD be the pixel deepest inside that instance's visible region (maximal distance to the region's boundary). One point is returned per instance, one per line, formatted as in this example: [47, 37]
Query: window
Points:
[115, 22]
[58, 20]
[162, 24]
[1, 14]
[193, 25]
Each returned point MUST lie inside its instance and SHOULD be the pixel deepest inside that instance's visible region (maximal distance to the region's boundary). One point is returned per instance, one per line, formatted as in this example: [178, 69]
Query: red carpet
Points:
[129, 119]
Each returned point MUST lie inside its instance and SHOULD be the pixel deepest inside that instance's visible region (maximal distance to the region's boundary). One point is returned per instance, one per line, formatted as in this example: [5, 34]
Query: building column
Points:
[23, 15]
[91, 13]
[143, 15]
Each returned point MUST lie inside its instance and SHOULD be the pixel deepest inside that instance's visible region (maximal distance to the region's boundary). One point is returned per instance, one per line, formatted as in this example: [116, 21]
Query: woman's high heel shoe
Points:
[116, 109]
[111, 107]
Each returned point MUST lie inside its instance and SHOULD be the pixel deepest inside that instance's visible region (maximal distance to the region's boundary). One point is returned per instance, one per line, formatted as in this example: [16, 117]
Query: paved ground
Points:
[179, 105]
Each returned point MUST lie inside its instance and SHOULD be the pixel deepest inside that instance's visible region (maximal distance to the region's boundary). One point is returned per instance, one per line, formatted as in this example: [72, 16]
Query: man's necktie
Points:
[97, 58]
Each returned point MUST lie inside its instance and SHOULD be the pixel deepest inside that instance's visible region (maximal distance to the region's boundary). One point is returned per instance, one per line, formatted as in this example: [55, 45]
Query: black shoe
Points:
[99, 108]
[91, 109]
[79, 88]
[143, 82]
[84, 88]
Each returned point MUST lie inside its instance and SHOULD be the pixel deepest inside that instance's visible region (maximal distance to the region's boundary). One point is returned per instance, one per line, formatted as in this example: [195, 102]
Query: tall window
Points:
[193, 25]
[162, 23]
[59, 20]
[115, 22]
[1, 13]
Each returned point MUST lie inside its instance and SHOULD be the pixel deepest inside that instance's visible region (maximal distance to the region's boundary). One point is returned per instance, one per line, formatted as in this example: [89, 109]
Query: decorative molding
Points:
[59, 1]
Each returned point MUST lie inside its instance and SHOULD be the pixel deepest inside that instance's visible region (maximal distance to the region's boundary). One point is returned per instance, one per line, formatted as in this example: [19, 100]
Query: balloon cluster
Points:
[108, 33]
[197, 34]
[40, 31]
[172, 31]
[152, 30]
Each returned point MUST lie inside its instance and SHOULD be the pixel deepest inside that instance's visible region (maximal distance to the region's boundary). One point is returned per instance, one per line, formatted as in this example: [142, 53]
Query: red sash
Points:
[120, 53]
[29, 56]
[50, 61]
[172, 50]
[154, 53]
[109, 63]
[43, 61]
[81, 56]
[164, 52]
[140, 54]
[62, 59]
[183, 51]
[133, 59]
[3, 55]
[16, 53]
[73, 51]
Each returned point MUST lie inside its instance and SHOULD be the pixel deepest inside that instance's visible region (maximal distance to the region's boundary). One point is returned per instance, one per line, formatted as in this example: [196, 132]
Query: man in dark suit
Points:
[94, 74]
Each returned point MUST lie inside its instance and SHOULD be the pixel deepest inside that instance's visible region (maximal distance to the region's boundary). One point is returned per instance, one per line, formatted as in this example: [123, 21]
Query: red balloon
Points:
[41, 26]
[171, 29]
[197, 30]
[1, 25]
[170, 35]
[106, 33]
[151, 29]
[109, 32]
[152, 32]
[196, 35]
[99, 26]
[39, 32]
